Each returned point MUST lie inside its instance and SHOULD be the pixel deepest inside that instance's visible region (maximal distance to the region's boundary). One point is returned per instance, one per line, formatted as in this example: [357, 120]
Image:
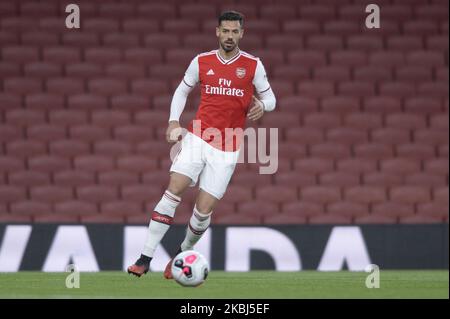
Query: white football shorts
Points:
[198, 159]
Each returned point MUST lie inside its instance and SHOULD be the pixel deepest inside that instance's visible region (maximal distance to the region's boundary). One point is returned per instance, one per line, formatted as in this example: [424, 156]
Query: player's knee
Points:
[204, 208]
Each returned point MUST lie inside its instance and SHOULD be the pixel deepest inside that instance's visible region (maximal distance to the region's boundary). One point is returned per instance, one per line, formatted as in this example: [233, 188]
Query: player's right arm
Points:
[179, 98]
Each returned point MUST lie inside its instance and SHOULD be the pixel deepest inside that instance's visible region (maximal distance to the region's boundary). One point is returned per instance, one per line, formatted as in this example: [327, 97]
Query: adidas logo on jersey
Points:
[210, 72]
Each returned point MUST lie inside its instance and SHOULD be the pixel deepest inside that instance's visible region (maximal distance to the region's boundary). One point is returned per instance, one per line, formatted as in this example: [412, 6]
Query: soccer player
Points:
[228, 78]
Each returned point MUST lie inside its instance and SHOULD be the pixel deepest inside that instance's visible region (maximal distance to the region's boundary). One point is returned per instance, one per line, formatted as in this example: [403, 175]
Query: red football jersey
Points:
[226, 94]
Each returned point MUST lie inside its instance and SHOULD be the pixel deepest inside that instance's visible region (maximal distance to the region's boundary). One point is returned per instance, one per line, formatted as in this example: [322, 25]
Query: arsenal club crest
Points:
[240, 72]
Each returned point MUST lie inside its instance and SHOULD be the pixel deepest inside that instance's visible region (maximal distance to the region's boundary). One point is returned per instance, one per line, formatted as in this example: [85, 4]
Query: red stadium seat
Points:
[393, 208]
[130, 102]
[68, 148]
[168, 71]
[9, 194]
[65, 86]
[348, 58]
[25, 148]
[133, 133]
[404, 43]
[39, 38]
[382, 104]
[140, 26]
[51, 194]
[176, 26]
[440, 195]
[420, 27]
[156, 11]
[439, 122]
[324, 42]
[291, 150]
[110, 118]
[10, 164]
[258, 208]
[102, 55]
[293, 180]
[340, 27]
[27, 178]
[48, 163]
[348, 209]
[410, 194]
[433, 209]
[88, 133]
[302, 208]
[331, 73]
[68, 117]
[347, 136]
[9, 38]
[30, 208]
[365, 42]
[414, 74]
[20, 54]
[80, 39]
[301, 27]
[423, 105]
[310, 58]
[400, 166]
[373, 150]
[61, 54]
[93, 163]
[73, 178]
[437, 43]
[320, 194]
[149, 87]
[330, 219]
[316, 89]
[434, 90]
[285, 42]
[426, 58]
[101, 25]
[8, 69]
[340, 104]
[405, 121]
[18, 85]
[238, 193]
[426, 180]
[42, 69]
[357, 89]
[107, 86]
[97, 193]
[84, 70]
[420, 219]
[415, 151]
[285, 219]
[165, 41]
[142, 56]
[124, 71]
[298, 104]
[56, 218]
[436, 11]
[380, 179]
[111, 148]
[314, 165]
[439, 166]
[387, 58]
[236, 219]
[136, 163]
[317, 12]
[372, 74]
[375, 219]
[362, 121]
[117, 10]
[365, 194]
[339, 179]
[44, 101]
[276, 194]
[118, 178]
[121, 208]
[102, 219]
[87, 102]
[330, 150]
[390, 135]
[356, 165]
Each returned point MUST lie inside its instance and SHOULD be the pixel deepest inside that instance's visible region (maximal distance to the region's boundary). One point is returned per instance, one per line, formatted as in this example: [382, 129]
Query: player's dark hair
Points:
[232, 16]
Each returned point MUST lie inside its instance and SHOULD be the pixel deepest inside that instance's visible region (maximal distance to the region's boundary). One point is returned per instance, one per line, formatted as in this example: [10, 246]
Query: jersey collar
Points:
[226, 62]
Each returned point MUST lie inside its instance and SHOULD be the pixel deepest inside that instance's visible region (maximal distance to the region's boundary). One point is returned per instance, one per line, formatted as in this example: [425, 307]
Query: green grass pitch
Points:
[227, 285]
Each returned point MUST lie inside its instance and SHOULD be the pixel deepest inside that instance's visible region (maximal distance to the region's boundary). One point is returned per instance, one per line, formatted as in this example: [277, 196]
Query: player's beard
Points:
[228, 48]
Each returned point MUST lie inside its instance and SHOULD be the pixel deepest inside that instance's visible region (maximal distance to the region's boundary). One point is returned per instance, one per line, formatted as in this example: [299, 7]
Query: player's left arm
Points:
[265, 101]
